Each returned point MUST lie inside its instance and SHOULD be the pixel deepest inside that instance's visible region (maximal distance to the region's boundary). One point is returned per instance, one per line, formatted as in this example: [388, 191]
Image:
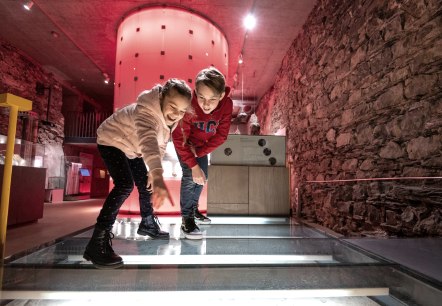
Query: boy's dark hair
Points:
[212, 78]
[180, 86]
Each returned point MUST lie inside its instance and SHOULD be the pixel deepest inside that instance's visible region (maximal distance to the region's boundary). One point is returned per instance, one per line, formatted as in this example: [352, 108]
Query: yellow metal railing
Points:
[15, 104]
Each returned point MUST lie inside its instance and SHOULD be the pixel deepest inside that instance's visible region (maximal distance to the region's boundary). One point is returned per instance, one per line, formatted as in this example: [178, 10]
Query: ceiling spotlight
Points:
[240, 61]
[28, 5]
[250, 22]
[106, 78]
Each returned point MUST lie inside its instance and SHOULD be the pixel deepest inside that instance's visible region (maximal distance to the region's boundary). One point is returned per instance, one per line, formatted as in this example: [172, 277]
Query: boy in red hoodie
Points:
[196, 136]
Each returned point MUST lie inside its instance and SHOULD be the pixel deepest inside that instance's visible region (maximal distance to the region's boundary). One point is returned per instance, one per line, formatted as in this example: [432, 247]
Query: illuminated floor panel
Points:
[221, 227]
[216, 259]
[207, 251]
[306, 297]
[229, 220]
[348, 301]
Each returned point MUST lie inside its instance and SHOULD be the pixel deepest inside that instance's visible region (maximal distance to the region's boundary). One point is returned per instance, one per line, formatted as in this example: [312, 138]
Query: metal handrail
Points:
[83, 124]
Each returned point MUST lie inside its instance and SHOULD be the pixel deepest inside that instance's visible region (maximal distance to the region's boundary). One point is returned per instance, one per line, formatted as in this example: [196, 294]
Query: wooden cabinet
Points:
[248, 190]
[27, 194]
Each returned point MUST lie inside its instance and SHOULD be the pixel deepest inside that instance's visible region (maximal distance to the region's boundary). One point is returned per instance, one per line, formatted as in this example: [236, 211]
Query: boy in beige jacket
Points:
[130, 139]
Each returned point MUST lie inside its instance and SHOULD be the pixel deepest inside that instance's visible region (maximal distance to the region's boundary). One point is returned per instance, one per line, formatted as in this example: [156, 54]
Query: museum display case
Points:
[26, 153]
[27, 182]
[78, 175]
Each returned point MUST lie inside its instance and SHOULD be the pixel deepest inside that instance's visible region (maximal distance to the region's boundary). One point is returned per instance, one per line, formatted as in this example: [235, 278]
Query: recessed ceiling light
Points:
[250, 22]
[28, 5]
[106, 78]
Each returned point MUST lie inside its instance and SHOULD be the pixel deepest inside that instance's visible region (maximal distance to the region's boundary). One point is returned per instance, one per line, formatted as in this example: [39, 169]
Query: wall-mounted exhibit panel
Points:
[250, 150]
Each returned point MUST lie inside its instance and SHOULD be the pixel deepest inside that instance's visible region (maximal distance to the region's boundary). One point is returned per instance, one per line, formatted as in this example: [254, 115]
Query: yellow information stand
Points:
[15, 105]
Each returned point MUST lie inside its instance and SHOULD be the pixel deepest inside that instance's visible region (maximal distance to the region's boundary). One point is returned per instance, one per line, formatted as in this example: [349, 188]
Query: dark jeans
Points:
[190, 192]
[124, 172]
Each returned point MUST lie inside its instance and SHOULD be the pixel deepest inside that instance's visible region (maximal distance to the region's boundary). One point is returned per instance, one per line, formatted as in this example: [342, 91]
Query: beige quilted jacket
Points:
[139, 129]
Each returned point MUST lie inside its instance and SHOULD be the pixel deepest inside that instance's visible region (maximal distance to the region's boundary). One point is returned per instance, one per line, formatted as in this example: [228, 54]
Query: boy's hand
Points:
[192, 149]
[198, 175]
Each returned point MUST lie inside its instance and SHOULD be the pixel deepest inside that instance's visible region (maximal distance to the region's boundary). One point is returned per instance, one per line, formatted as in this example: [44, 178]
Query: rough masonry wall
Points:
[360, 92]
[19, 76]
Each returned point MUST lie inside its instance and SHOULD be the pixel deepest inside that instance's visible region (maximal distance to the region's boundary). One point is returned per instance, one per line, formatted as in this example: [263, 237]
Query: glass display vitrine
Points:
[26, 153]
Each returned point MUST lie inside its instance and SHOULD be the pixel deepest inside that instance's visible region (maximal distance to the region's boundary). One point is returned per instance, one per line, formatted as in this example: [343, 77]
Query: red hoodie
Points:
[205, 132]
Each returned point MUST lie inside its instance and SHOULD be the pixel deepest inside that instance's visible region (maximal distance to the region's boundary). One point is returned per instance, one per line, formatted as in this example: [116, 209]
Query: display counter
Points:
[247, 176]
[27, 194]
[248, 190]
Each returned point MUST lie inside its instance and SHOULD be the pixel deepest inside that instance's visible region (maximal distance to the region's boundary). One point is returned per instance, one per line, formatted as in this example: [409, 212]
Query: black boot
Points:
[99, 250]
[150, 226]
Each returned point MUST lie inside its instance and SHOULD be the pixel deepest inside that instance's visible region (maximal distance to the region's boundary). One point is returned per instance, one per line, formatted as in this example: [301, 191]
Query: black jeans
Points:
[124, 172]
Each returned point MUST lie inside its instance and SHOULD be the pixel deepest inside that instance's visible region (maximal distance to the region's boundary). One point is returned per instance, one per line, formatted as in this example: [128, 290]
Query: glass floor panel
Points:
[275, 261]
[207, 251]
[222, 244]
[223, 227]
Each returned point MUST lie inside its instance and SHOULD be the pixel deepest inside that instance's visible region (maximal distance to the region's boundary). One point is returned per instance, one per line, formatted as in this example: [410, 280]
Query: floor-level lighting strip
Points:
[127, 296]
[215, 259]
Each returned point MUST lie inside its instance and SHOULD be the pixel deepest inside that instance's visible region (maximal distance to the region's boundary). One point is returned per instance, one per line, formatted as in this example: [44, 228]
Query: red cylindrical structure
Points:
[158, 43]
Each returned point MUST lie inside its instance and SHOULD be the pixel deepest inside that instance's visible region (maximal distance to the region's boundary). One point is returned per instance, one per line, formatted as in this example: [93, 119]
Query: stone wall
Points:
[19, 75]
[363, 85]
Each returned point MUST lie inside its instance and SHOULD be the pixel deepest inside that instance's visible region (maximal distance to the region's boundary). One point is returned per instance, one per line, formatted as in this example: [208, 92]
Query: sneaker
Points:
[200, 218]
[189, 229]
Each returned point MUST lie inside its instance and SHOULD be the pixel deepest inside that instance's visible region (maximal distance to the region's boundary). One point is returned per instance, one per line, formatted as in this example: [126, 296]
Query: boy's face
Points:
[208, 99]
[174, 107]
